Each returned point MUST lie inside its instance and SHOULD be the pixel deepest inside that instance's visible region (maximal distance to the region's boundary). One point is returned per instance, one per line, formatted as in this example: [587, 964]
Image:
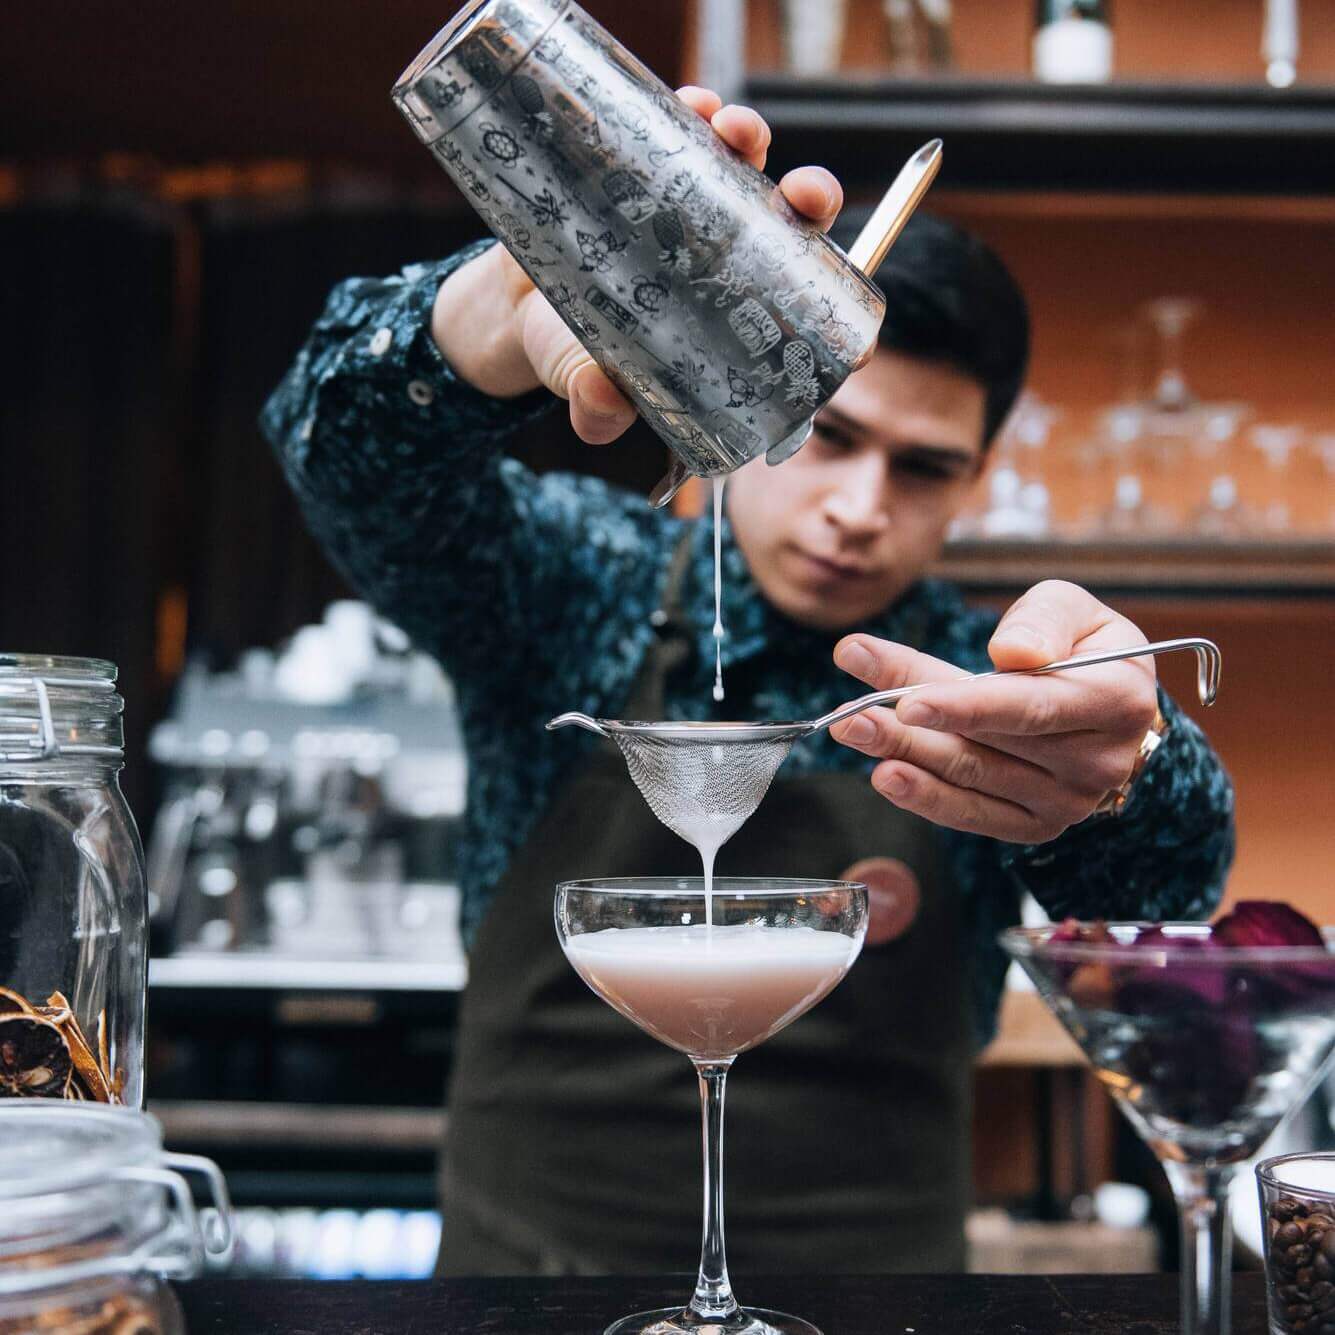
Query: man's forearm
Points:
[395, 460]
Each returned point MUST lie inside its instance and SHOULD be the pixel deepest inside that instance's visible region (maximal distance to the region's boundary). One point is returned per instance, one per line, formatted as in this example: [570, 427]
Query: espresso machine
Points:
[312, 800]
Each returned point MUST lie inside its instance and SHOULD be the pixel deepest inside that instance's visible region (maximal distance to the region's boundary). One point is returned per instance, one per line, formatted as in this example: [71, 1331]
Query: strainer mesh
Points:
[702, 790]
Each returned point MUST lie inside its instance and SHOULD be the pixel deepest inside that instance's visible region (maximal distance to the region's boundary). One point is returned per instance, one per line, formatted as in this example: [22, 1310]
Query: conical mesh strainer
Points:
[704, 780]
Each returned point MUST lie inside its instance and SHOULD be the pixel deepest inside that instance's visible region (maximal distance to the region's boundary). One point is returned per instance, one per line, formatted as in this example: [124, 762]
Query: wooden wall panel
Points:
[243, 78]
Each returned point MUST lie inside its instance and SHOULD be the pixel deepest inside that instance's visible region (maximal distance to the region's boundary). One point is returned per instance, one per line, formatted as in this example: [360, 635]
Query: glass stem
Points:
[1207, 1261]
[713, 1298]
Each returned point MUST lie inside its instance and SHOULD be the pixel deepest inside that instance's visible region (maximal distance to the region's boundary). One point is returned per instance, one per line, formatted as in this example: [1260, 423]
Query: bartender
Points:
[573, 1141]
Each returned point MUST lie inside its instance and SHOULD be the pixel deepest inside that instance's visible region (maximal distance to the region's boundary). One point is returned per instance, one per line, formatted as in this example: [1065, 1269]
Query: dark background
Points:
[180, 187]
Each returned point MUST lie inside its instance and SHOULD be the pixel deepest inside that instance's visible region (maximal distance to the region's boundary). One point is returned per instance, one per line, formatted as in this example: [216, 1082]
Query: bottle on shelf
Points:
[1279, 42]
[813, 36]
[1073, 42]
[918, 34]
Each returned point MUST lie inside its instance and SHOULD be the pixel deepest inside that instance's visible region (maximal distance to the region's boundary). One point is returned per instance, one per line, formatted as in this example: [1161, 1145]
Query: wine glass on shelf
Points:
[1171, 318]
[1204, 1048]
[711, 986]
[1276, 443]
[1323, 447]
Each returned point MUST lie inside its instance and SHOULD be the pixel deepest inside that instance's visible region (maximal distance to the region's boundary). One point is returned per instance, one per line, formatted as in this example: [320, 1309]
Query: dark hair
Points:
[948, 298]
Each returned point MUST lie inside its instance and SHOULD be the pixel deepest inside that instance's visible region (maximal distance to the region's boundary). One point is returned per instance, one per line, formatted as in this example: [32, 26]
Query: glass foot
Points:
[679, 1321]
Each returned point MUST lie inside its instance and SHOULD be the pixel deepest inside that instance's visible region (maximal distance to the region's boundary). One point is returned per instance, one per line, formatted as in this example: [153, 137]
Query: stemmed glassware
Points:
[711, 990]
[1205, 1048]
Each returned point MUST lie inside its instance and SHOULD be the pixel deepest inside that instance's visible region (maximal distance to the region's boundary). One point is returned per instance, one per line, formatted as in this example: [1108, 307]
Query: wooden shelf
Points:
[1246, 569]
[1020, 134]
[1029, 1035]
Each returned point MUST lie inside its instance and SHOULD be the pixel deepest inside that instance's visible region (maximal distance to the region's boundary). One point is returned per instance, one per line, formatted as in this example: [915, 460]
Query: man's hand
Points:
[1016, 758]
[501, 335]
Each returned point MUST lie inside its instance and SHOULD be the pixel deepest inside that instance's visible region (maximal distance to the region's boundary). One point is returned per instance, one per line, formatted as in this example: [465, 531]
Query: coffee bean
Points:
[1285, 1208]
[1323, 1267]
[1303, 1279]
[1298, 1311]
[1289, 1234]
[1288, 1293]
[1328, 1246]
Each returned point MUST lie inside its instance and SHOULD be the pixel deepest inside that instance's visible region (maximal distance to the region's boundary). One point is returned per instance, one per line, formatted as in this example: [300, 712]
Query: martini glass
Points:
[775, 948]
[1204, 1047]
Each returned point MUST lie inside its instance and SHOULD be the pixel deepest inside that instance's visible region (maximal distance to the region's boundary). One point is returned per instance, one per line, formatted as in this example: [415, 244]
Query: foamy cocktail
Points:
[711, 986]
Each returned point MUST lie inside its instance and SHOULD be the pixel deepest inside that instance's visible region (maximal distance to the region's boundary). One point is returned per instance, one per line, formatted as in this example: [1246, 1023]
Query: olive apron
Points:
[574, 1138]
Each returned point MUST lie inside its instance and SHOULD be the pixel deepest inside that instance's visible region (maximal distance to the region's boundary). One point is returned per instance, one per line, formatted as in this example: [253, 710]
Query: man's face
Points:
[839, 531]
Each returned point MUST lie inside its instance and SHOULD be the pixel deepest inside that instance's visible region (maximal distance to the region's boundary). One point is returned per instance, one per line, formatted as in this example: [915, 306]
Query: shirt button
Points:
[380, 342]
[420, 392]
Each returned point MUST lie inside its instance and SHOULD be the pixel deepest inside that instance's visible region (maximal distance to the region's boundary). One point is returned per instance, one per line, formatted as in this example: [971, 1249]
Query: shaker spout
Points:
[790, 444]
[677, 476]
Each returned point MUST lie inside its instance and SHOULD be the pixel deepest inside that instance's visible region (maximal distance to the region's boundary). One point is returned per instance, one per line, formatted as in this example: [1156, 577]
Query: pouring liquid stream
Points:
[705, 844]
[719, 484]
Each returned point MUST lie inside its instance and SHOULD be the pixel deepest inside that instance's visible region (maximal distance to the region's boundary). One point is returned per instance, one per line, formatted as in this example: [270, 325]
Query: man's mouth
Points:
[831, 568]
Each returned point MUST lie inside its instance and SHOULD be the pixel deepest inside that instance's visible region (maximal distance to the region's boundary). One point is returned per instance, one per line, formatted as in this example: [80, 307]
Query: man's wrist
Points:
[473, 327]
[1114, 803]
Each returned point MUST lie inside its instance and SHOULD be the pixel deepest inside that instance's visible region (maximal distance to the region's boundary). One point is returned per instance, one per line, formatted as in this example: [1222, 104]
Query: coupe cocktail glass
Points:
[1204, 1047]
[776, 947]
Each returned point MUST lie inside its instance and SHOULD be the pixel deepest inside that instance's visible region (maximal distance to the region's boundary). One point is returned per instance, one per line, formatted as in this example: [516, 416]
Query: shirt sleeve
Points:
[1165, 857]
[399, 469]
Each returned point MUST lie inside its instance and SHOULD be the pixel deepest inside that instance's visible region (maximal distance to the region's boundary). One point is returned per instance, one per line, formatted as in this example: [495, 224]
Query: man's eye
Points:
[924, 470]
[832, 439]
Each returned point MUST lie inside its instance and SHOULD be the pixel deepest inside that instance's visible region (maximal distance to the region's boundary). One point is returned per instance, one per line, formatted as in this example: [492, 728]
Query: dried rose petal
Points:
[1258, 922]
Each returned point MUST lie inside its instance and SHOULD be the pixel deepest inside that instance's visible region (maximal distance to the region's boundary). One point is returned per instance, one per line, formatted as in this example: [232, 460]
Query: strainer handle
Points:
[577, 720]
[1208, 664]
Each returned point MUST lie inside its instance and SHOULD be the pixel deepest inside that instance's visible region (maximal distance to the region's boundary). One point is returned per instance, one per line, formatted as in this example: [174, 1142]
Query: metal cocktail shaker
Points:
[724, 317]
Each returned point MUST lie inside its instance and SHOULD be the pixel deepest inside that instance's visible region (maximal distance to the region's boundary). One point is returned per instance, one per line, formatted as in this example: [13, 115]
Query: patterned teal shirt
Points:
[538, 596]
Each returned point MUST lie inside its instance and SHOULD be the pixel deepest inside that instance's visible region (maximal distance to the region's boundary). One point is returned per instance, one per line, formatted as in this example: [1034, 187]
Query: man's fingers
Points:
[957, 761]
[913, 789]
[814, 192]
[744, 131]
[885, 665]
[1110, 700]
[1046, 624]
[703, 101]
[598, 411]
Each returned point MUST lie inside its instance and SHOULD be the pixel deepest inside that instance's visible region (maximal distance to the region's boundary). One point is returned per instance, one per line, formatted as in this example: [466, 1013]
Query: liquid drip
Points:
[718, 588]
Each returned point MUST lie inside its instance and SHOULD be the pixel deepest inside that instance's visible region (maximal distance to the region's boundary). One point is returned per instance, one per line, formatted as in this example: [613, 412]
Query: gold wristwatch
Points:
[1114, 803]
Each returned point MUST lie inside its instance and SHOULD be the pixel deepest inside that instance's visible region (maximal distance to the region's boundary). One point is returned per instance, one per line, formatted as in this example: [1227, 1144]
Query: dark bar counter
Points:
[865, 1305]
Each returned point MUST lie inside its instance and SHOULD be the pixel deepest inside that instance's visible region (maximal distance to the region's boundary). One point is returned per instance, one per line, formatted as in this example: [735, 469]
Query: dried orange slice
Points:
[35, 1058]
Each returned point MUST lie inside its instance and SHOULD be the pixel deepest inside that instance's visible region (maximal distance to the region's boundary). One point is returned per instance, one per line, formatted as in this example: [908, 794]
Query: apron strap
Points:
[671, 607]
[671, 645]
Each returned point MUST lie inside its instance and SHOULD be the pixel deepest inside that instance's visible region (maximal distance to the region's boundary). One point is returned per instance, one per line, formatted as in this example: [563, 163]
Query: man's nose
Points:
[858, 503]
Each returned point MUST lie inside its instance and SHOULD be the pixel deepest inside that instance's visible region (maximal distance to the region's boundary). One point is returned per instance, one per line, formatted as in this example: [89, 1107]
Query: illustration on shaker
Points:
[690, 245]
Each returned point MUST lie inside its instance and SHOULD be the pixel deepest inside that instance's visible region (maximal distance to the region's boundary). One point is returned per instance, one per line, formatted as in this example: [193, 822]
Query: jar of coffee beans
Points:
[1298, 1228]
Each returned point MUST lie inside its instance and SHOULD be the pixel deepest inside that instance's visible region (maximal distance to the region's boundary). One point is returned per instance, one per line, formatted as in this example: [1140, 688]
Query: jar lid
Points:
[88, 1192]
[52, 706]
[55, 1148]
